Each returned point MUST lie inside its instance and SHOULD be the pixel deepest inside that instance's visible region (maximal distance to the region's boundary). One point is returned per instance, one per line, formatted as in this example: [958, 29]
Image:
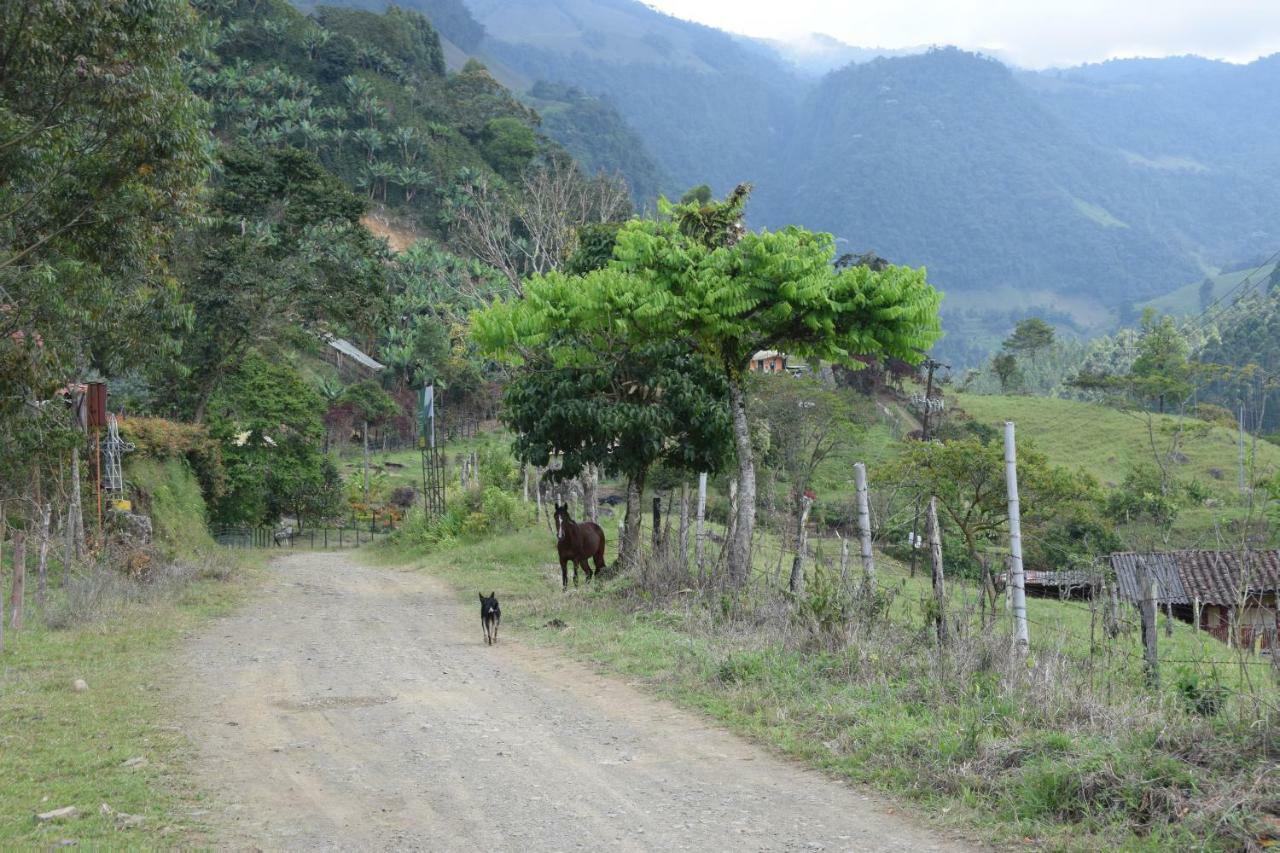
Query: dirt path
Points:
[358, 708]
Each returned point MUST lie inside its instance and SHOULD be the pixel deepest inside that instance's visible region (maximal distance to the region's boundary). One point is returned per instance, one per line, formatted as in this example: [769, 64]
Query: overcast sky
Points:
[1031, 33]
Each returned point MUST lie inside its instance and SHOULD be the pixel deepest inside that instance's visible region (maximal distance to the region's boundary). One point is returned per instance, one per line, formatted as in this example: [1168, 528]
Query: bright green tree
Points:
[730, 293]
[699, 278]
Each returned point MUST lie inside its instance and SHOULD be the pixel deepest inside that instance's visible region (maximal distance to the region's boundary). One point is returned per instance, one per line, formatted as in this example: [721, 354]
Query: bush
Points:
[1141, 496]
[1209, 413]
[498, 468]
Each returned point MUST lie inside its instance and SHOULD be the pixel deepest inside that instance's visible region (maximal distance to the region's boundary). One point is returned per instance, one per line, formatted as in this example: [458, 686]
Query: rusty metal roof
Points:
[1213, 577]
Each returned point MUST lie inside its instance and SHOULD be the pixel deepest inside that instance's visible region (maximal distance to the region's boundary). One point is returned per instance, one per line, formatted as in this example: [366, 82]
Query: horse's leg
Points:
[576, 560]
[564, 573]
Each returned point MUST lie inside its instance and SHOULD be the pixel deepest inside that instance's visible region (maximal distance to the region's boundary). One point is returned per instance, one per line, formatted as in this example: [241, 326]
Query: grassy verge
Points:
[110, 743]
[1066, 749]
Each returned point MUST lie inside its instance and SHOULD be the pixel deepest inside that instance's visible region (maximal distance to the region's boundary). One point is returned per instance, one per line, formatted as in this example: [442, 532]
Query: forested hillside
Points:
[1070, 193]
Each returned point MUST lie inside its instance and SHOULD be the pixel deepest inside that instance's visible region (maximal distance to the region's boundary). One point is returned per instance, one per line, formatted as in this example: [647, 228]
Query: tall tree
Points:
[701, 277]
[1029, 337]
[284, 247]
[586, 389]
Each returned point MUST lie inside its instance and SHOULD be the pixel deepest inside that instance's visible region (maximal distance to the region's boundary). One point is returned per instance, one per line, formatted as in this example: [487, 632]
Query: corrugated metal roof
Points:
[1164, 566]
[1213, 577]
[352, 351]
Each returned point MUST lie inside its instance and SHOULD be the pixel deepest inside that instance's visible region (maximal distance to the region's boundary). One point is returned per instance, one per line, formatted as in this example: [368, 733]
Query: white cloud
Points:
[1033, 33]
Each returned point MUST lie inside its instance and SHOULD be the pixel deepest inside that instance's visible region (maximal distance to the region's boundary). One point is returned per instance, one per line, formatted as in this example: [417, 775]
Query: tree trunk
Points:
[796, 584]
[17, 592]
[42, 584]
[629, 553]
[590, 508]
[745, 515]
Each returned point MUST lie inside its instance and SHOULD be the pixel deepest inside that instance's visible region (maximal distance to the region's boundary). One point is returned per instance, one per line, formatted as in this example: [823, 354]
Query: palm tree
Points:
[316, 39]
[407, 139]
[413, 179]
[386, 173]
[371, 140]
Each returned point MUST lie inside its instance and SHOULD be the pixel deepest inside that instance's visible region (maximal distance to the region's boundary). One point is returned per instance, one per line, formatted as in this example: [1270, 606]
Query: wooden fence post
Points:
[1016, 578]
[864, 528]
[42, 584]
[700, 535]
[844, 560]
[939, 581]
[4, 529]
[796, 584]
[76, 509]
[1149, 633]
[657, 526]
[17, 592]
[684, 525]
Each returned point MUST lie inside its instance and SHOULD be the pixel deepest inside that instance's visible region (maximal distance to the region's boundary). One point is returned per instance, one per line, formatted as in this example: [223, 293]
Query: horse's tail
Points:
[598, 556]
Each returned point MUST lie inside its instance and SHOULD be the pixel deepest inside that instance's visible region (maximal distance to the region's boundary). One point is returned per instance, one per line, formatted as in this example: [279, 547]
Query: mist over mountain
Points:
[1071, 193]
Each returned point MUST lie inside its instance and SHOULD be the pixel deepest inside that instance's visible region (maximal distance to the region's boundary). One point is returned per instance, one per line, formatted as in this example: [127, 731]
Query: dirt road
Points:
[358, 708]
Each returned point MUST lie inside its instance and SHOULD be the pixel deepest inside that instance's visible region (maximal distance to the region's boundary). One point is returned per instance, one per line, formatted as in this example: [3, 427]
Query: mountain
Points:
[1070, 193]
[709, 108]
[815, 54]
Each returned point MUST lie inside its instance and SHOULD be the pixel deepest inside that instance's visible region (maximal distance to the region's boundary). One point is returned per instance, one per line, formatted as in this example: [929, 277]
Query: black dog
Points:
[490, 616]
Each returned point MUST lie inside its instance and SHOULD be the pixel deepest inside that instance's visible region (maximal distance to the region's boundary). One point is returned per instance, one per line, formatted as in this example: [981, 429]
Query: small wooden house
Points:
[1213, 590]
[768, 361]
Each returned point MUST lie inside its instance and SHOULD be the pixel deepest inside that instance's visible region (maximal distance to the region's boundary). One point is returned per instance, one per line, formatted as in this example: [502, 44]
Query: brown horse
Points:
[577, 543]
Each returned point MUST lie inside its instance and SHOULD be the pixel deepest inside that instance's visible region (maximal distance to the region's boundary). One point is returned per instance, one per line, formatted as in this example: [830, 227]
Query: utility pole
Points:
[1017, 581]
[864, 529]
[930, 365]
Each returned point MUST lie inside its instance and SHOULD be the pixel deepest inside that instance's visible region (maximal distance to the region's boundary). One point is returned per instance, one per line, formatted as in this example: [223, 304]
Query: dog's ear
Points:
[493, 594]
[481, 594]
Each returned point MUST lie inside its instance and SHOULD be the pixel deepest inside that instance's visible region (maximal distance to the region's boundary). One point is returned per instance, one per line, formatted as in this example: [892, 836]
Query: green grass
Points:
[168, 492]
[63, 748]
[1186, 299]
[1108, 443]
[1009, 757]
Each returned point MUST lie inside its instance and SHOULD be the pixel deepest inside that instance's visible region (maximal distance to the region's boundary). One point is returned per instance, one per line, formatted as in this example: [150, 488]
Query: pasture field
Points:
[1107, 443]
[1065, 748]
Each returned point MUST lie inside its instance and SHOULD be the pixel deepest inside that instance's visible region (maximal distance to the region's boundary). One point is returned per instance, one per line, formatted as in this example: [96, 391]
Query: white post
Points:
[700, 533]
[1016, 579]
[864, 527]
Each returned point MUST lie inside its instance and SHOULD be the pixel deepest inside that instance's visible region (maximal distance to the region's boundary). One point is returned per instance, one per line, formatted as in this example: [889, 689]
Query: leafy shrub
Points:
[498, 467]
[404, 496]
[1142, 496]
[1200, 695]
[1209, 413]
[162, 439]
